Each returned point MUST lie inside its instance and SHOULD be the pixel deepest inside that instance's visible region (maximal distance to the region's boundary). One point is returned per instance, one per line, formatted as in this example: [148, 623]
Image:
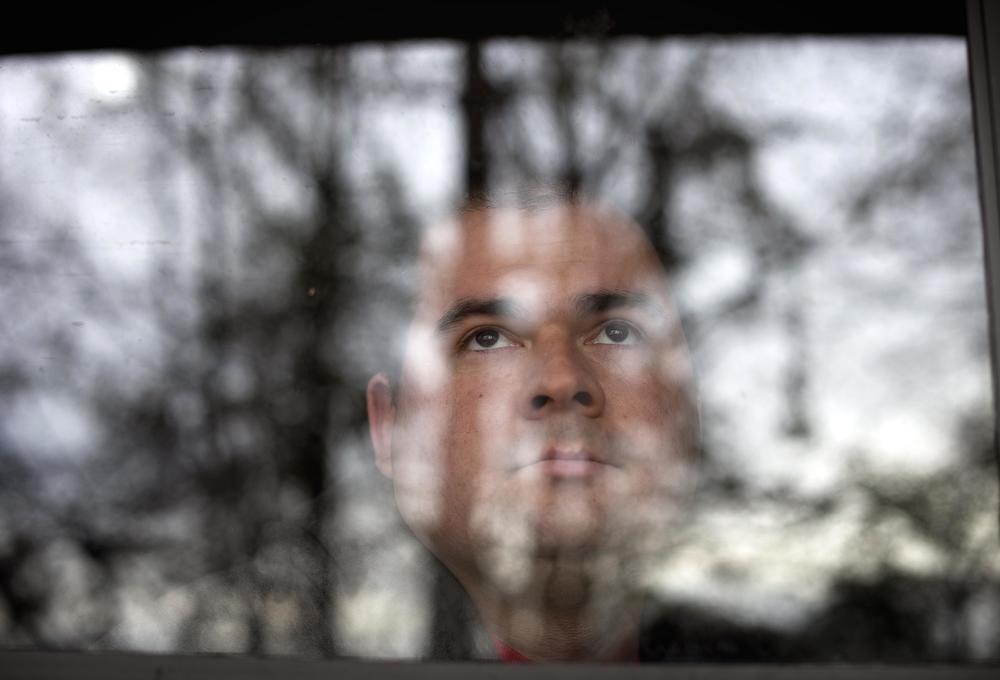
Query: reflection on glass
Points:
[708, 342]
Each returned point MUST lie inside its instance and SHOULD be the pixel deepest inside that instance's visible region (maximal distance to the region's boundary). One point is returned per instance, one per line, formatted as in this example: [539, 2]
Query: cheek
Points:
[659, 387]
[442, 445]
[417, 467]
[656, 424]
[482, 399]
[647, 390]
[654, 430]
[420, 465]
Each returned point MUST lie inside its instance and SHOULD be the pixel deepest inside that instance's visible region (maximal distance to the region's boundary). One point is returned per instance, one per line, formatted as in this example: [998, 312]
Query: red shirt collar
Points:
[510, 655]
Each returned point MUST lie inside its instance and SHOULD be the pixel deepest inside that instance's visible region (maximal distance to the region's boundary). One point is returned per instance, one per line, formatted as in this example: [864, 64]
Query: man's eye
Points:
[616, 333]
[486, 338]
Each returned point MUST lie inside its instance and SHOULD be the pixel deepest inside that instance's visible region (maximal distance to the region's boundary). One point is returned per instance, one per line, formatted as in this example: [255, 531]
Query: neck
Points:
[567, 611]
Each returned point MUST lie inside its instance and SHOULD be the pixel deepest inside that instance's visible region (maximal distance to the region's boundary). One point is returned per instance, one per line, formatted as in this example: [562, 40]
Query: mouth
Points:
[569, 463]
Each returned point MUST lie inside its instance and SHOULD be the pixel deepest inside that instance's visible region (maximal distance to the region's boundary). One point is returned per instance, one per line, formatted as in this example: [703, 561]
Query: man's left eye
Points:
[616, 333]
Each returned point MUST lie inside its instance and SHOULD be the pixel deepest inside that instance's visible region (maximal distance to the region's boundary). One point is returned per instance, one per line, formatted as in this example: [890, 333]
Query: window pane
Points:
[208, 253]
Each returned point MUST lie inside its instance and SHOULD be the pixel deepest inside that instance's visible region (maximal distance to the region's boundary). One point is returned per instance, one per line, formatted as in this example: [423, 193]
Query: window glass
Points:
[208, 253]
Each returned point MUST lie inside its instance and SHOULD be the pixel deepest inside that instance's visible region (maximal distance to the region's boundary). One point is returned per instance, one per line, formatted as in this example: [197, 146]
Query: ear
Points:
[381, 417]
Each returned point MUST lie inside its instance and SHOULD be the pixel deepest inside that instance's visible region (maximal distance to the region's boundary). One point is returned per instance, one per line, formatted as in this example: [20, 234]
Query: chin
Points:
[579, 546]
[560, 533]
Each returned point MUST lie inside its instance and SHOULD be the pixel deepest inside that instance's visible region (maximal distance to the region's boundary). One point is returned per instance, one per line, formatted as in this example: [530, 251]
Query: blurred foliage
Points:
[216, 500]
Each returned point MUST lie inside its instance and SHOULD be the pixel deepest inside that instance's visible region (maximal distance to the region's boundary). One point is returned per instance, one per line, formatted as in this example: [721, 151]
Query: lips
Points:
[570, 454]
[569, 462]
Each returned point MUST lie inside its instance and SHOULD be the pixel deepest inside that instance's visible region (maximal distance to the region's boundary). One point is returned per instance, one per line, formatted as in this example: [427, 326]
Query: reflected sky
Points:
[205, 254]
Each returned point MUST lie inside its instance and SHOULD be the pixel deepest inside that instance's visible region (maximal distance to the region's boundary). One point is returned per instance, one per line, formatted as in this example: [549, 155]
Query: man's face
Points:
[543, 408]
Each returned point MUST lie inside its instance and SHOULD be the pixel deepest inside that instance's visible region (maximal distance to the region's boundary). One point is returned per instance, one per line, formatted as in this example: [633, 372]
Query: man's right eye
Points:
[486, 338]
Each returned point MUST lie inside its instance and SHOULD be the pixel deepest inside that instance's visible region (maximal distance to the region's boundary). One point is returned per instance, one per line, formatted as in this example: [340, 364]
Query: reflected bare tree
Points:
[210, 482]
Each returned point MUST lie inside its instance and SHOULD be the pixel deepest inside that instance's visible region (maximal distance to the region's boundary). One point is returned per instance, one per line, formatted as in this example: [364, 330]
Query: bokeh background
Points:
[203, 256]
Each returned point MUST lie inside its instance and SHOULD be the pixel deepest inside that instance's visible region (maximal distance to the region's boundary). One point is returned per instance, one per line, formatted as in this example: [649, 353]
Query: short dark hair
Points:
[528, 198]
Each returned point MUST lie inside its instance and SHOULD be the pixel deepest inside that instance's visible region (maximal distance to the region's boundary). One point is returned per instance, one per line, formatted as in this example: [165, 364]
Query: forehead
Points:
[526, 253]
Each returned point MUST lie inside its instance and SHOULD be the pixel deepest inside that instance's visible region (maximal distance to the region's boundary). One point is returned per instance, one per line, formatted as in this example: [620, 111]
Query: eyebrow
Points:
[586, 305]
[605, 300]
[466, 307]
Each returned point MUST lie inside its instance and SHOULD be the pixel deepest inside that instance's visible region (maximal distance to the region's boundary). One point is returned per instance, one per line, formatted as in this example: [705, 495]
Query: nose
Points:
[561, 380]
